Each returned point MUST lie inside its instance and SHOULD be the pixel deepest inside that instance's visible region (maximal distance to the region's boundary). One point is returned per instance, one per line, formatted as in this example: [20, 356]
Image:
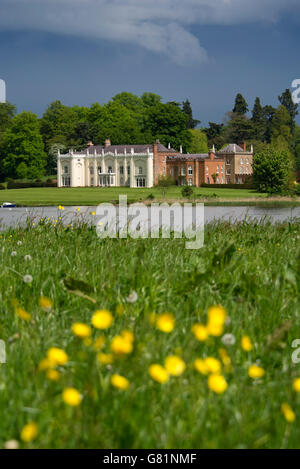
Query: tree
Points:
[214, 135]
[164, 182]
[269, 112]
[287, 101]
[167, 123]
[271, 170]
[199, 141]
[187, 191]
[22, 143]
[187, 110]
[259, 120]
[239, 130]
[281, 125]
[7, 112]
[240, 106]
[150, 99]
[129, 100]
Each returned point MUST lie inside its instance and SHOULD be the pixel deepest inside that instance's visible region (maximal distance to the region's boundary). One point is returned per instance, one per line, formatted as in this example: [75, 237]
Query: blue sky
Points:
[83, 51]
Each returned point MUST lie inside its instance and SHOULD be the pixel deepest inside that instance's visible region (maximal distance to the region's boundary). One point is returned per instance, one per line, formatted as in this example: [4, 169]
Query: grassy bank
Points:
[252, 270]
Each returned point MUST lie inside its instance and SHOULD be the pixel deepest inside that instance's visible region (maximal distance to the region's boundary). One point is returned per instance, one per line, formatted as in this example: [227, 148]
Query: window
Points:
[99, 169]
[218, 180]
[190, 170]
[66, 181]
[171, 171]
[207, 180]
[241, 161]
[128, 170]
[91, 169]
[228, 161]
[110, 169]
[92, 181]
[121, 180]
[222, 169]
[183, 171]
[140, 170]
[164, 171]
[190, 181]
[242, 171]
[140, 182]
[228, 172]
[247, 170]
[247, 161]
[121, 169]
[66, 169]
[222, 180]
[206, 169]
[218, 169]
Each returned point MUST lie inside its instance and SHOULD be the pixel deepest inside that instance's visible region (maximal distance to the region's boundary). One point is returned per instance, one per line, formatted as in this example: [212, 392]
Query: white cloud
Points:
[161, 26]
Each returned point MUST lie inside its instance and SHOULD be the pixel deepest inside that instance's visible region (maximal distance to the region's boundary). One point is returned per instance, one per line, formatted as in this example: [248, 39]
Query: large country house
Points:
[142, 165]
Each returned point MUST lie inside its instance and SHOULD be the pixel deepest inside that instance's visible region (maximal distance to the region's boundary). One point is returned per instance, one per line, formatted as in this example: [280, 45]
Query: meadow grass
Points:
[251, 269]
[96, 195]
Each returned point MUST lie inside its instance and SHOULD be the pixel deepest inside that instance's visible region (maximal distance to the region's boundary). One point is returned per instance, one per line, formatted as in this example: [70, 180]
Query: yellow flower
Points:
[53, 375]
[120, 382]
[256, 371]
[93, 213]
[102, 319]
[215, 329]
[81, 330]
[158, 373]
[201, 366]
[217, 383]
[296, 384]
[127, 335]
[216, 315]
[57, 356]
[224, 357]
[121, 346]
[45, 364]
[29, 432]
[78, 209]
[213, 365]
[288, 412]
[71, 397]
[165, 322]
[200, 332]
[174, 365]
[105, 358]
[99, 342]
[46, 304]
[23, 314]
[246, 343]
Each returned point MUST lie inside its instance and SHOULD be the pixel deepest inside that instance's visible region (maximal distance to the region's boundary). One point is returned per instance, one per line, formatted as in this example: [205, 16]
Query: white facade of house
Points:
[106, 166]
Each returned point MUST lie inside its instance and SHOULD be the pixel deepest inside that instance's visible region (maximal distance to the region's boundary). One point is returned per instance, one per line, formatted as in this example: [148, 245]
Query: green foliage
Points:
[271, 170]
[239, 129]
[259, 120]
[281, 125]
[215, 135]
[187, 110]
[7, 112]
[187, 191]
[164, 182]
[199, 141]
[22, 143]
[287, 101]
[240, 105]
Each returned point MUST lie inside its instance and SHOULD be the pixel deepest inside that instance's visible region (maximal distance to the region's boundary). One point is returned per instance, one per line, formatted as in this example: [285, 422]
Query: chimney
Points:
[243, 146]
[180, 148]
[211, 153]
[107, 143]
[252, 149]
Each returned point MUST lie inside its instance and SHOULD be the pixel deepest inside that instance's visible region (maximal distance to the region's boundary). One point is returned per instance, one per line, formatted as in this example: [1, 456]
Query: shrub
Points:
[271, 170]
[187, 191]
[2, 187]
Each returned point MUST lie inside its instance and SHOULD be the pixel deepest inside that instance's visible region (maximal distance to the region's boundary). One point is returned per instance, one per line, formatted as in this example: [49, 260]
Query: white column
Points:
[59, 172]
[116, 171]
[132, 178]
[149, 171]
[125, 176]
[95, 173]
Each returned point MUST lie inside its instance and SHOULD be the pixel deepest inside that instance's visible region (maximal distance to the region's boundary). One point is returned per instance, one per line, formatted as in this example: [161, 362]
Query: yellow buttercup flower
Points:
[246, 343]
[165, 322]
[53, 375]
[200, 332]
[158, 373]
[72, 397]
[23, 314]
[121, 346]
[102, 319]
[99, 343]
[29, 432]
[288, 412]
[57, 356]
[216, 314]
[127, 335]
[224, 357]
[45, 364]
[120, 382]
[256, 372]
[213, 365]
[46, 304]
[217, 383]
[174, 365]
[215, 329]
[81, 330]
[201, 366]
[296, 384]
[105, 358]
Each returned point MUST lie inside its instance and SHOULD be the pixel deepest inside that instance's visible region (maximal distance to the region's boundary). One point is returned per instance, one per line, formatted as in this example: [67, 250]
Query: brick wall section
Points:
[160, 162]
[199, 171]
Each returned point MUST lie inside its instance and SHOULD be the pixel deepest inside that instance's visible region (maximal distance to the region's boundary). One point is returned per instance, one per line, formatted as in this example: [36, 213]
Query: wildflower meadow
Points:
[123, 343]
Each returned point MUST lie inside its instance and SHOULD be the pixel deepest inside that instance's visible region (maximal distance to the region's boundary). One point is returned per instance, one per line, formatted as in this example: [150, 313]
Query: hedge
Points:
[229, 186]
[26, 185]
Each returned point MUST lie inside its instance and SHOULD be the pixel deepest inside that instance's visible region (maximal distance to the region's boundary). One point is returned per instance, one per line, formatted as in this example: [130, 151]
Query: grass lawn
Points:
[94, 196]
[252, 270]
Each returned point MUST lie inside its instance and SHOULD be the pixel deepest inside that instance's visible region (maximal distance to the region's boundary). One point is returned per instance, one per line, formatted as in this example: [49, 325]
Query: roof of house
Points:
[232, 148]
[188, 156]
